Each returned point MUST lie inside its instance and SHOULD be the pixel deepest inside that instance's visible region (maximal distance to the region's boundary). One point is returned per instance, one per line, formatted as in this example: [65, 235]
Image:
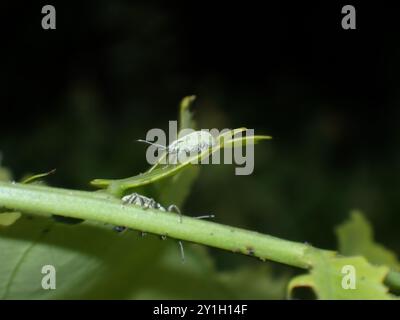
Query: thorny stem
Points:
[98, 206]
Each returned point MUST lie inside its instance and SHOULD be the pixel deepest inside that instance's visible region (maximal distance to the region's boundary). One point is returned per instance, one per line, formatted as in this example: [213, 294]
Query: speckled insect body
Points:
[196, 141]
[190, 144]
[146, 203]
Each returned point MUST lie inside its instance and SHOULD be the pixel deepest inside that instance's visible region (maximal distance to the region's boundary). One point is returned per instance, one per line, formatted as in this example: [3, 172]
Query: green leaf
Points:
[255, 283]
[5, 174]
[370, 261]
[328, 274]
[356, 237]
[8, 218]
[156, 173]
[118, 187]
[186, 120]
[177, 188]
[36, 177]
[240, 142]
[94, 262]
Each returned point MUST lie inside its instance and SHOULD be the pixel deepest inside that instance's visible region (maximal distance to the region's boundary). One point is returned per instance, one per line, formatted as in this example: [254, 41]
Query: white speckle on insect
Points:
[190, 144]
[146, 203]
[194, 142]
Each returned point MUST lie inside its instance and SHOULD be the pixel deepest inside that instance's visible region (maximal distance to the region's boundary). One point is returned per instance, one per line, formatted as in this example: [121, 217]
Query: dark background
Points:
[77, 97]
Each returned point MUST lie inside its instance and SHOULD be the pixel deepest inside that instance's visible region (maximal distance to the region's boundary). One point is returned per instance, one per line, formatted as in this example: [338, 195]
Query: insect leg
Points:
[172, 157]
[120, 229]
[174, 208]
[209, 216]
[153, 204]
[126, 200]
[153, 144]
[182, 251]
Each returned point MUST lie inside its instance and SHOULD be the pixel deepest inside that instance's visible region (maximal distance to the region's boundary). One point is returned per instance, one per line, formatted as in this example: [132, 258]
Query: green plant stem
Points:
[99, 206]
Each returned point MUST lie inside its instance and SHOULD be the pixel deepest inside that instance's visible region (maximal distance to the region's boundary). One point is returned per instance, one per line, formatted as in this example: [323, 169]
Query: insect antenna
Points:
[152, 143]
[208, 216]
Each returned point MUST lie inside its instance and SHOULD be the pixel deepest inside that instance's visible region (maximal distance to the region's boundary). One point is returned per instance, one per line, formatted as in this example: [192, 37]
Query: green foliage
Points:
[328, 270]
[327, 274]
[157, 173]
[176, 188]
[186, 119]
[37, 177]
[94, 262]
[5, 175]
[255, 283]
[8, 218]
[356, 237]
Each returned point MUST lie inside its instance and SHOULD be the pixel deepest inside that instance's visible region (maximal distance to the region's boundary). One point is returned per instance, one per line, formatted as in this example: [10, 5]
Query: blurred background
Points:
[76, 99]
